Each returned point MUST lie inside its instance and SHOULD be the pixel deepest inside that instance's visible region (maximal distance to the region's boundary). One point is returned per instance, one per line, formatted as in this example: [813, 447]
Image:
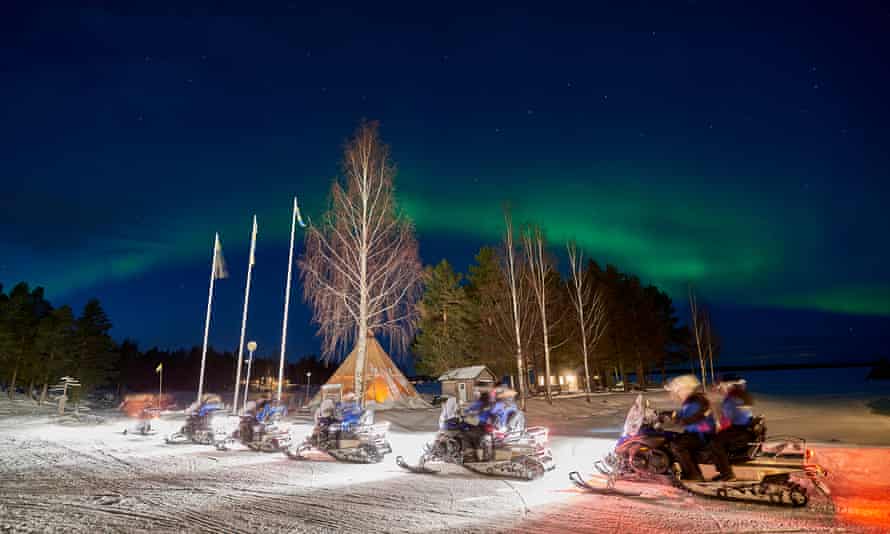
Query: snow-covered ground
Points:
[61, 474]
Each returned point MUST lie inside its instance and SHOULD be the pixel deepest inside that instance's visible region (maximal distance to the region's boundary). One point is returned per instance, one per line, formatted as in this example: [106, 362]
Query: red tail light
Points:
[808, 455]
[489, 428]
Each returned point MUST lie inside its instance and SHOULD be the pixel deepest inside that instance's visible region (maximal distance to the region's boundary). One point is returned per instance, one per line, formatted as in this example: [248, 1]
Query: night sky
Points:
[745, 152]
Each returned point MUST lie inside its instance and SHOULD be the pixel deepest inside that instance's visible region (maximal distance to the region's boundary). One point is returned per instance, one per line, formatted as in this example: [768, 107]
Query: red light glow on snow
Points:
[859, 484]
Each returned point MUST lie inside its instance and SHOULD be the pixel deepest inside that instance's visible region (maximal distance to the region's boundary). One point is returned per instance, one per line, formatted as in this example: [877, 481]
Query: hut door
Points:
[462, 391]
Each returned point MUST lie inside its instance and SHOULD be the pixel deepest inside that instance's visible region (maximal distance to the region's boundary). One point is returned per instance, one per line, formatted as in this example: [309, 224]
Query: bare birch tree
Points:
[361, 271]
[540, 268]
[709, 344]
[514, 282]
[590, 304]
[698, 332]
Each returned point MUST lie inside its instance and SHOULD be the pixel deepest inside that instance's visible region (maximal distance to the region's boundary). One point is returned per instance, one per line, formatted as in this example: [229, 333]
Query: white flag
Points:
[253, 242]
[219, 266]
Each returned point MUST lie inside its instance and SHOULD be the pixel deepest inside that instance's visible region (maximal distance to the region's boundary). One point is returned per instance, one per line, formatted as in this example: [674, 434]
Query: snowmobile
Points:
[260, 432]
[361, 442]
[763, 467]
[207, 424]
[513, 451]
[143, 426]
[144, 407]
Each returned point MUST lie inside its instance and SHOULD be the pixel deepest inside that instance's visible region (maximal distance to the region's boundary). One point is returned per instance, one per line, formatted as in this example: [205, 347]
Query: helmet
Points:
[503, 393]
[731, 378]
[729, 381]
[683, 385]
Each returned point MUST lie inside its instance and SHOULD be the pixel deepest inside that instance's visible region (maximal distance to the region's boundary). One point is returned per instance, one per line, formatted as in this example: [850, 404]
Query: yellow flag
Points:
[159, 368]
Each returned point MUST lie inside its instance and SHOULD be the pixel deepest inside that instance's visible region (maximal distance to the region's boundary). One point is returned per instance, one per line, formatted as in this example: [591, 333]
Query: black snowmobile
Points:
[514, 451]
[262, 431]
[207, 424]
[763, 468]
[362, 441]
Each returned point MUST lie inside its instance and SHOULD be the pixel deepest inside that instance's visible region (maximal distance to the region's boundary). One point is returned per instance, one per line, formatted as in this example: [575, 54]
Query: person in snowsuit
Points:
[210, 403]
[505, 412]
[477, 436]
[325, 417]
[698, 424]
[267, 411]
[349, 412]
[252, 425]
[736, 417]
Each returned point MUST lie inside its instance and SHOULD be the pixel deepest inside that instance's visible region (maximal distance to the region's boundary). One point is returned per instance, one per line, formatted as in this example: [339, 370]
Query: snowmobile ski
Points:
[419, 469]
[609, 489]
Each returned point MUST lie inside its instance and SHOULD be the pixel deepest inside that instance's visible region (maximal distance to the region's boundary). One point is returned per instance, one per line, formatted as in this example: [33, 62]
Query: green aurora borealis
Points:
[741, 154]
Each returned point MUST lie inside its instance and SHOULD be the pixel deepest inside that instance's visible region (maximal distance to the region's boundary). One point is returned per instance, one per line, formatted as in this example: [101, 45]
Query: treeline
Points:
[40, 343]
[469, 319]
[181, 368]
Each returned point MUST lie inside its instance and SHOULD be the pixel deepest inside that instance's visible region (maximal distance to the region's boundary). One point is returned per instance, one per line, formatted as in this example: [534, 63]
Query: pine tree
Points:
[55, 336]
[94, 355]
[492, 329]
[23, 310]
[445, 322]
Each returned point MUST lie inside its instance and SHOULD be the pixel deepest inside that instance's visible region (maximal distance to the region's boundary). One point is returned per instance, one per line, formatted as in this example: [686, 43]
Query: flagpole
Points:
[250, 262]
[290, 264]
[251, 347]
[207, 320]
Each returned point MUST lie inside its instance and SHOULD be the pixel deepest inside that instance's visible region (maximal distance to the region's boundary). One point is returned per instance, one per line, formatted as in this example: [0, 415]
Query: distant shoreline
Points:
[789, 366]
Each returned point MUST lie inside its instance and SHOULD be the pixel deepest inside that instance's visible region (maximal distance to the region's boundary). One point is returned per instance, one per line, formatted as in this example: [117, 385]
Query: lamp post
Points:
[251, 347]
[306, 396]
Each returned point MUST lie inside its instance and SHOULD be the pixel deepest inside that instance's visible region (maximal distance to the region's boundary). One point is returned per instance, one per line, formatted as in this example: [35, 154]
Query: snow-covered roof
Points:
[465, 373]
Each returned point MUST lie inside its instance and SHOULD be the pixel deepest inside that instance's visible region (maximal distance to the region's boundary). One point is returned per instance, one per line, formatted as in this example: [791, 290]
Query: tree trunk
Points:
[361, 353]
[621, 375]
[15, 373]
[520, 376]
[43, 392]
[31, 390]
[547, 360]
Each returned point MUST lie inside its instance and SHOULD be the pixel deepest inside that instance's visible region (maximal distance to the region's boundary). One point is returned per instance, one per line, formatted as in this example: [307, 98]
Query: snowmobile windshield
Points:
[634, 419]
[326, 409]
[449, 411]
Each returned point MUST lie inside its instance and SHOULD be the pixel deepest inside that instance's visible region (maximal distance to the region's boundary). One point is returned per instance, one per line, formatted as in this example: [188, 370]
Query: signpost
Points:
[160, 371]
[67, 381]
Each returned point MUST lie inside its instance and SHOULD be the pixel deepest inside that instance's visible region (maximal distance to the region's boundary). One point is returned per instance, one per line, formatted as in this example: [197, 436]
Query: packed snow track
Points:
[91, 477]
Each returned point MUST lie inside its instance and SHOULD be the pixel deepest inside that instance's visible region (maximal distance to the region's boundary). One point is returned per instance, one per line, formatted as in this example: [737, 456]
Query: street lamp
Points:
[306, 396]
[251, 348]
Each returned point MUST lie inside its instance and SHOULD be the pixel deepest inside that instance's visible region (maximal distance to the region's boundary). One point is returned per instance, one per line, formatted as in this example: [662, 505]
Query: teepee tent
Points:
[385, 386]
